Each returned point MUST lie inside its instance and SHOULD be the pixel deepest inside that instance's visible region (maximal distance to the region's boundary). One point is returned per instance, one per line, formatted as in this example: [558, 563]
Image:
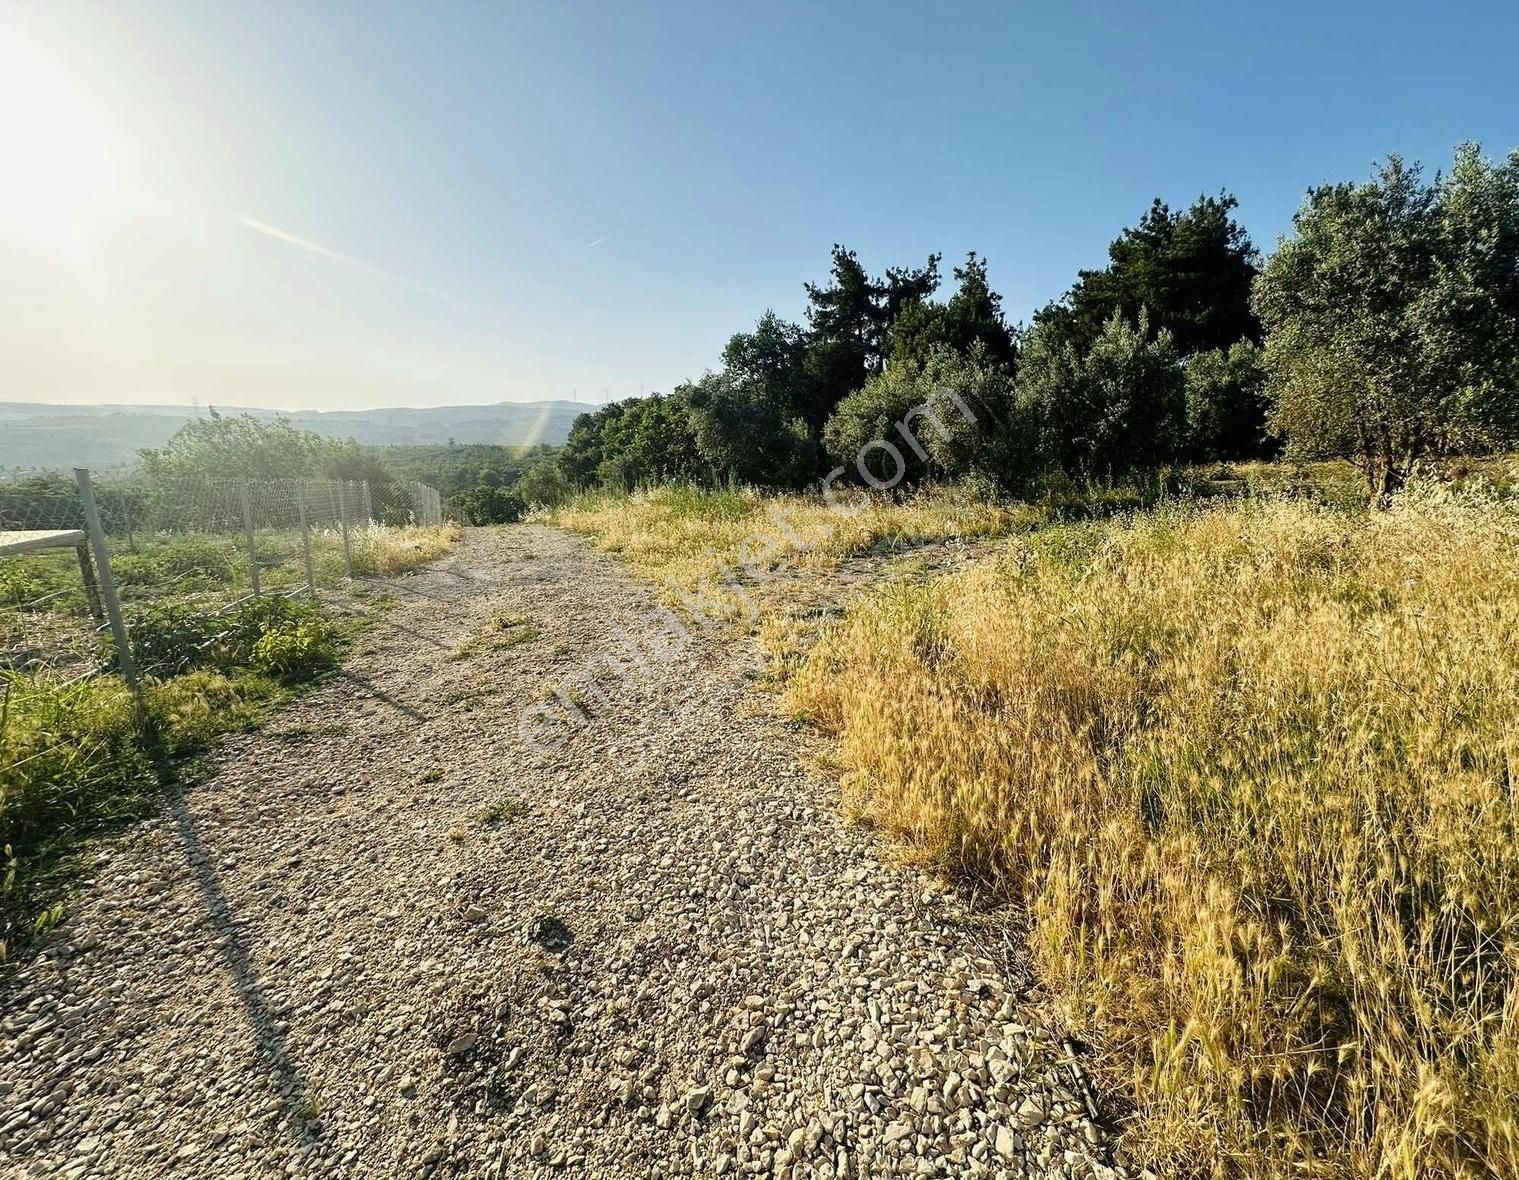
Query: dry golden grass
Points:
[724, 547]
[382, 552]
[1251, 771]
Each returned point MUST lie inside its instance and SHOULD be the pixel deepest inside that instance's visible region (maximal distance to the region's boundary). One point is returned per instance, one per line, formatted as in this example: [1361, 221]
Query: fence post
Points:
[242, 491]
[124, 660]
[343, 521]
[368, 506]
[91, 588]
[300, 504]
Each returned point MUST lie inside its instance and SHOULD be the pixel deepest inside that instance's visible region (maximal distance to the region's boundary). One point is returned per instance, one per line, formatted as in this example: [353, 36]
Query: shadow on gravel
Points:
[472, 586]
[412, 631]
[272, 1055]
[378, 693]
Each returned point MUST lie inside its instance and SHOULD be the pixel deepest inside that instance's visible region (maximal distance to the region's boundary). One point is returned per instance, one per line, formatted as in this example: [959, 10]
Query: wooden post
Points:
[242, 490]
[368, 506]
[343, 521]
[300, 504]
[124, 660]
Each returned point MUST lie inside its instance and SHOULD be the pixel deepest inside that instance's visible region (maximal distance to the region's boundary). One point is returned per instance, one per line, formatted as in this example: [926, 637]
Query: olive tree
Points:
[1392, 317]
[950, 415]
[1118, 407]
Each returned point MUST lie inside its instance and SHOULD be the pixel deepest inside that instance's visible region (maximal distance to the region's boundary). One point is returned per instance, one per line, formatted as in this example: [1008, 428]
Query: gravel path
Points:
[389, 938]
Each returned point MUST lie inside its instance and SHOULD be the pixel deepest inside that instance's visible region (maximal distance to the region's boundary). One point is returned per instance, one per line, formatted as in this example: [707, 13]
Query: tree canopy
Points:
[247, 447]
[1385, 328]
[1191, 271]
[1392, 317]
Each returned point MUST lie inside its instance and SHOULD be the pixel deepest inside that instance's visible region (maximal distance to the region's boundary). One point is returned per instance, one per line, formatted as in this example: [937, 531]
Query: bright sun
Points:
[55, 154]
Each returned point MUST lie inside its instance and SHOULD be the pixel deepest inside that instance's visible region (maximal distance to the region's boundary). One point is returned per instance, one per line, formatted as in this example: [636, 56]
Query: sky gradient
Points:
[344, 205]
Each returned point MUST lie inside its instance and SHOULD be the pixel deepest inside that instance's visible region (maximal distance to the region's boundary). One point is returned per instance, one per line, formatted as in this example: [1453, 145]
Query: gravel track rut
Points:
[387, 937]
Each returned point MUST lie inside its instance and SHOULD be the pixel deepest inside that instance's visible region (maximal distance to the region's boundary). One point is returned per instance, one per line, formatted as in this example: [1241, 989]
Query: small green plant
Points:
[168, 638]
[309, 1108]
[293, 649]
[572, 693]
[502, 632]
[500, 812]
[468, 698]
[516, 637]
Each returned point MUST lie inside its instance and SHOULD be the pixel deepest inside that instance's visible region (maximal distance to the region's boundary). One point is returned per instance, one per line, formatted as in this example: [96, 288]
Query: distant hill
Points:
[33, 434]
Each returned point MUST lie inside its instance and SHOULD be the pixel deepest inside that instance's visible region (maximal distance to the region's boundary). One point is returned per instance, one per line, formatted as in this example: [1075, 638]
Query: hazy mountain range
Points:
[33, 434]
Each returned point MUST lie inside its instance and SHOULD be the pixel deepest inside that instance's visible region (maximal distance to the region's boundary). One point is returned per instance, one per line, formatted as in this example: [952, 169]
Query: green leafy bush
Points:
[293, 649]
[489, 505]
[272, 634]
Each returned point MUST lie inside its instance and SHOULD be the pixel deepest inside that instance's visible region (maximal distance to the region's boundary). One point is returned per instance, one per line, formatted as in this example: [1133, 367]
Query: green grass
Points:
[215, 566]
[80, 757]
[299, 734]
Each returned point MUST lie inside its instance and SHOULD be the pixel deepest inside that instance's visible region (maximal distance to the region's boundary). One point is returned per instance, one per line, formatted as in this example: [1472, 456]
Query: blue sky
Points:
[340, 204]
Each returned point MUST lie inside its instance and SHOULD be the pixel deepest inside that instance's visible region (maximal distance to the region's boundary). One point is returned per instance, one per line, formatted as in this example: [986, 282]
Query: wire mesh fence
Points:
[87, 571]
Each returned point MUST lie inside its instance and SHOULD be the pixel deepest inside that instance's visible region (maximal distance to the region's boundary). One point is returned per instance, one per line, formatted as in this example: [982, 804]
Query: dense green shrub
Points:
[489, 505]
[1226, 404]
[191, 562]
[271, 634]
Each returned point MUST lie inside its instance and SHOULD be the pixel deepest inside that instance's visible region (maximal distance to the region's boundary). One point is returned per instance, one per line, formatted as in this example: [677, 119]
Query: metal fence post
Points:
[300, 504]
[91, 587]
[242, 489]
[368, 505]
[124, 660]
[343, 521]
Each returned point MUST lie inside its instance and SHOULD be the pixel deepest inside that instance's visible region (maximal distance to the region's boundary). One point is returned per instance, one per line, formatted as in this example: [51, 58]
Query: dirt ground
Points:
[402, 931]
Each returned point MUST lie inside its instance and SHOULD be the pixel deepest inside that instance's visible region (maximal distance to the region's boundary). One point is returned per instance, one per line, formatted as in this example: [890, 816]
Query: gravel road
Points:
[388, 936]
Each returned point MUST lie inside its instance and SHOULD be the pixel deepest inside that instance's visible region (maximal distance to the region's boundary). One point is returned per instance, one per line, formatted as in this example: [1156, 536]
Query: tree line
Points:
[483, 483]
[1384, 329]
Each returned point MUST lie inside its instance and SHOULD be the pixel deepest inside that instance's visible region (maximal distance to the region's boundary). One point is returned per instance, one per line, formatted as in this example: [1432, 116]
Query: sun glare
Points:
[56, 151]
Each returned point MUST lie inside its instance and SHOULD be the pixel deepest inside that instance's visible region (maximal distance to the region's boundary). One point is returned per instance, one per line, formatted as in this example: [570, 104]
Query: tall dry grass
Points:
[726, 543]
[385, 552]
[1251, 770]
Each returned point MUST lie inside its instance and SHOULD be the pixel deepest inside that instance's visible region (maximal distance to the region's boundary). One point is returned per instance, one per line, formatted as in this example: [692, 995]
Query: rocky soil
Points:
[393, 935]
